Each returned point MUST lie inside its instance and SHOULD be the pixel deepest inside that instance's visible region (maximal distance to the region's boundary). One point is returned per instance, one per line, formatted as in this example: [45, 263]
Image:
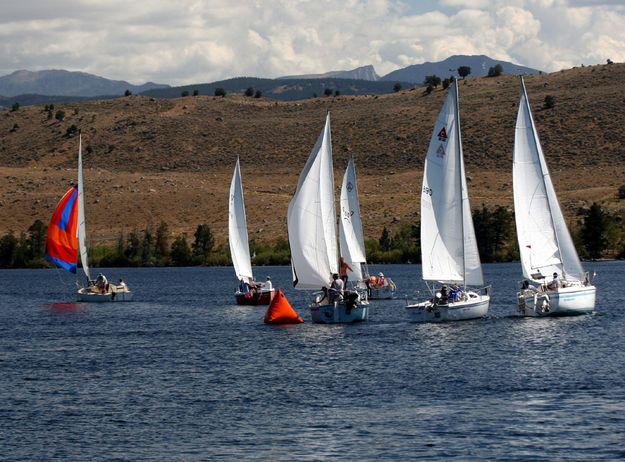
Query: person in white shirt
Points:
[268, 286]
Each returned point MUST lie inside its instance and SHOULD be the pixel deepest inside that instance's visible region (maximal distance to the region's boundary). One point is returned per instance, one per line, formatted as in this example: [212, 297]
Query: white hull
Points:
[85, 295]
[564, 301]
[475, 307]
[335, 313]
[381, 293]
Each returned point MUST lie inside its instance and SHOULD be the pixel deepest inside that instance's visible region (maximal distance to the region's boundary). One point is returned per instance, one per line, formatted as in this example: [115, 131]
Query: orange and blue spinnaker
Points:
[62, 240]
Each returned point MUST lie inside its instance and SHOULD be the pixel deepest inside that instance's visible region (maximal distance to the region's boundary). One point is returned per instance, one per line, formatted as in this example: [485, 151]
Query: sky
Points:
[197, 41]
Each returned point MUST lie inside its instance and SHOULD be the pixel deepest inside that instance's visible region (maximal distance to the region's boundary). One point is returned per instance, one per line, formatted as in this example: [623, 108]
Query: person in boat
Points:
[343, 269]
[267, 285]
[553, 285]
[335, 292]
[444, 298]
[454, 293]
[323, 297]
[121, 285]
[102, 283]
[381, 280]
[244, 287]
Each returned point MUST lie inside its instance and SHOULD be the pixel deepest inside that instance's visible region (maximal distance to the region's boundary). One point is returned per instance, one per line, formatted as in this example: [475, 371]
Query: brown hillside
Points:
[149, 160]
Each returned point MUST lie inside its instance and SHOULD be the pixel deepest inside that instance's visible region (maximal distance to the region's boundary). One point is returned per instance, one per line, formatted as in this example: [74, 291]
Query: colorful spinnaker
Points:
[62, 239]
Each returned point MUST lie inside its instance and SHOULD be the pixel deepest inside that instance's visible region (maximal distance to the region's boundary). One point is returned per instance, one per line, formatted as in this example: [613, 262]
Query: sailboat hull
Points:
[87, 296]
[474, 308]
[336, 313]
[565, 301]
[259, 298]
[382, 293]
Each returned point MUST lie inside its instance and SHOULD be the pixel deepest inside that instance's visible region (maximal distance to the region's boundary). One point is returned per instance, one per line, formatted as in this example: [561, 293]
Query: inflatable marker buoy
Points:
[280, 311]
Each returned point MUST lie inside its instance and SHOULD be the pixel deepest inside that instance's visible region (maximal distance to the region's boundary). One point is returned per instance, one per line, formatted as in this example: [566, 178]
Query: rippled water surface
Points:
[184, 374]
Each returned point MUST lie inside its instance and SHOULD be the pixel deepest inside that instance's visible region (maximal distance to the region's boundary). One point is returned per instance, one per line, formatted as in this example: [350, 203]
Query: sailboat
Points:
[449, 253]
[248, 292]
[67, 236]
[352, 243]
[311, 223]
[545, 244]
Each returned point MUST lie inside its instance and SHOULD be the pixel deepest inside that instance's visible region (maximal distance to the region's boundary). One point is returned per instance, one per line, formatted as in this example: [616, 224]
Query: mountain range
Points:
[53, 86]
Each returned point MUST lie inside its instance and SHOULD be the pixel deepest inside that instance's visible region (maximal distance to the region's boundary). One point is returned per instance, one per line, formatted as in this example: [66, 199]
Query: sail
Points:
[61, 241]
[448, 244]
[82, 230]
[237, 229]
[311, 219]
[545, 244]
[352, 243]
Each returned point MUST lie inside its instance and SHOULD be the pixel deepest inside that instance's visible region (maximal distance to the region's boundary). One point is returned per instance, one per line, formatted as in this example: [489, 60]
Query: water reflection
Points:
[65, 307]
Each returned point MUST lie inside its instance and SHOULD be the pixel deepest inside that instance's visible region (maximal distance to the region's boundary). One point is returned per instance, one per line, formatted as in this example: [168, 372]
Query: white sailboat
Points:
[351, 239]
[66, 240]
[448, 246]
[312, 236]
[246, 293]
[545, 244]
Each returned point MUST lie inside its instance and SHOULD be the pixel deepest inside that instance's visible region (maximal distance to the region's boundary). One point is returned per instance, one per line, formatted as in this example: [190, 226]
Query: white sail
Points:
[81, 230]
[311, 219]
[237, 229]
[448, 245]
[351, 239]
[545, 244]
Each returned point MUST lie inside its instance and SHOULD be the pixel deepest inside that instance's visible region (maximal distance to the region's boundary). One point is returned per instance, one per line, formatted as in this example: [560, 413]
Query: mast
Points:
[457, 113]
[81, 230]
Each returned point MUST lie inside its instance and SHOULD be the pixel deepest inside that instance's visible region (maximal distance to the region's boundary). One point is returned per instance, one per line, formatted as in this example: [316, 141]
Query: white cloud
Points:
[194, 41]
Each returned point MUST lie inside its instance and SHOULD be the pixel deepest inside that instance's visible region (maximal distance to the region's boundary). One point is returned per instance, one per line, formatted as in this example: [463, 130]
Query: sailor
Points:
[267, 285]
[244, 287]
[553, 285]
[444, 297]
[101, 283]
[343, 268]
[381, 280]
[121, 285]
[336, 288]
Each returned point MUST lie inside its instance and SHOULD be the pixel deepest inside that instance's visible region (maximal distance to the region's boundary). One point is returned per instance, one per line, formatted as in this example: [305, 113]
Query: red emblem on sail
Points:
[442, 135]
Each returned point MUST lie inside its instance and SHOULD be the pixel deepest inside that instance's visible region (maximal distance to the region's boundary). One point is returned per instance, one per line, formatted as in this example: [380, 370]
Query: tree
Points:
[327, 91]
[36, 241]
[550, 101]
[596, 231]
[184, 93]
[337, 93]
[15, 106]
[204, 241]
[127, 93]
[180, 251]
[432, 80]
[397, 87]
[429, 89]
[249, 92]
[147, 248]
[258, 94]
[220, 92]
[196, 92]
[60, 115]
[446, 83]
[385, 240]
[8, 250]
[463, 71]
[495, 71]
[162, 242]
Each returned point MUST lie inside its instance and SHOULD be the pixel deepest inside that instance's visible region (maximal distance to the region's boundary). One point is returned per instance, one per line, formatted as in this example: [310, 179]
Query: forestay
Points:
[544, 240]
[237, 229]
[351, 238]
[311, 219]
[449, 247]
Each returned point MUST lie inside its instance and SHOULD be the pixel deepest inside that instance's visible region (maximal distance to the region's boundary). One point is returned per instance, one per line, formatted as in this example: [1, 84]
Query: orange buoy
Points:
[280, 311]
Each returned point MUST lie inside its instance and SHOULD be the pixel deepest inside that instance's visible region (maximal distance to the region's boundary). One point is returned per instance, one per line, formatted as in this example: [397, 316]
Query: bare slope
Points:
[150, 159]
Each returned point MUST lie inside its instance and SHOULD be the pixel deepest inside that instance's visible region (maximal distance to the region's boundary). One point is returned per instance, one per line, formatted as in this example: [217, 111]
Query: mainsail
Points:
[545, 244]
[311, 219]
[351, 238]
[82, 230]
[448, 244]
[237, 229]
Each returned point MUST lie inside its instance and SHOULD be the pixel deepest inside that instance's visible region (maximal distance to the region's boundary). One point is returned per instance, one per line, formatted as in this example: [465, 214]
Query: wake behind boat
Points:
[448, 246]
[555, 283]
[67, 235]
[248, 292]
[311, 223]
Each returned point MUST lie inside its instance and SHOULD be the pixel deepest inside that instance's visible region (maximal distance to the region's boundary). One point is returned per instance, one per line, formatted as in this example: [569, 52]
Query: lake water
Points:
[183, 374]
